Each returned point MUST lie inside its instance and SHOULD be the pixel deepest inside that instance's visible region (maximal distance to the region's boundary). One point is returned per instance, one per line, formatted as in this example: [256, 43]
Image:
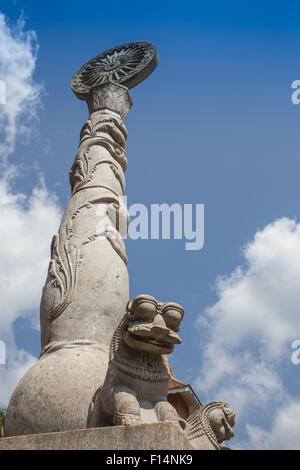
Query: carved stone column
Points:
[87, 287]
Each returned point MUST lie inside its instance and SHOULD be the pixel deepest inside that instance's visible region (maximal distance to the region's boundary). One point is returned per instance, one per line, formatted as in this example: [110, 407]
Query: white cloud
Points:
[27, 221]
[251, 326]
[18, 52]
[284, 433]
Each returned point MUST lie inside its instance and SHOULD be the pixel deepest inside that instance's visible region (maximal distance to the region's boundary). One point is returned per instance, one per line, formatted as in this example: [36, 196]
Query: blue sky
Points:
[213, 124]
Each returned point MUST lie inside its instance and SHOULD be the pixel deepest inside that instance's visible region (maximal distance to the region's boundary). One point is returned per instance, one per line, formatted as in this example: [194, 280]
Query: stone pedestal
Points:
[158, 436]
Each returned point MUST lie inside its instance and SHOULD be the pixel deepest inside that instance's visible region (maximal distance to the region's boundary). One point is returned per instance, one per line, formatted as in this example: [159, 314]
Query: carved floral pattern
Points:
[63, 275]
[106, 131]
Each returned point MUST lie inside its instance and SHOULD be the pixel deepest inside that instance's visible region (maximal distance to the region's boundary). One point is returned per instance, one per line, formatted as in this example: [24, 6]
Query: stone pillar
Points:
[87, 287]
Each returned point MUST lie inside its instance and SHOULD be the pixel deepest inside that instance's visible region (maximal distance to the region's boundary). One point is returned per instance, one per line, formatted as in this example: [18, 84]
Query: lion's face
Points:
[222, 420]
[152, 325]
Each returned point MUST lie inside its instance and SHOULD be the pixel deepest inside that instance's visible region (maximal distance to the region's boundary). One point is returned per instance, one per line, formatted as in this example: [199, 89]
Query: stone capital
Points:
[110, 96]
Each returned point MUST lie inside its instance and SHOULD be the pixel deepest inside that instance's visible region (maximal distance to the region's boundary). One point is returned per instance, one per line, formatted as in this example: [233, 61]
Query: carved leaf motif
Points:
[62, 276]
[81, 174]
[82, 170]
[113, 128]
[86, 131]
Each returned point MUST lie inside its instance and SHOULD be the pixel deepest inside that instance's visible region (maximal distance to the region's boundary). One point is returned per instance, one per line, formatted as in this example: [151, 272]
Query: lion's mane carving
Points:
[209, 426]
[136, 385]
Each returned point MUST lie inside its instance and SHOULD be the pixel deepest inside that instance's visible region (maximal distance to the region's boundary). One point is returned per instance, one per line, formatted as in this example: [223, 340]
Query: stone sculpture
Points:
[99, 367]
[136, 385]
[87, 287]
[209, 426]
[128, 65]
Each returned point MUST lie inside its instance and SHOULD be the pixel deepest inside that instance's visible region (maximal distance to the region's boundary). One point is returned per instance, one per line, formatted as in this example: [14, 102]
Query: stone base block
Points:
[157, 436]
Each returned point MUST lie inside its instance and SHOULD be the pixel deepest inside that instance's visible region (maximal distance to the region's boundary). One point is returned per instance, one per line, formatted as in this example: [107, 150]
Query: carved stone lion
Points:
[136, 385]
[211, 425]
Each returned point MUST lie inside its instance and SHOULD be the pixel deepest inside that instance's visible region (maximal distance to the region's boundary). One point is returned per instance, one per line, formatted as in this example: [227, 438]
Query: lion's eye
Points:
[173, 319]
[145, 311]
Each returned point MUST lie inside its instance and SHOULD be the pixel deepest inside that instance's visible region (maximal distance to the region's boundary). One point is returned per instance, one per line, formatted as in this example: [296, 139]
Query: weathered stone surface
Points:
[108, 95]
[127, 64]
[83, 379]
[209, 426]
[87, 287]
[159, 436]
[136, 385]
[56, 392]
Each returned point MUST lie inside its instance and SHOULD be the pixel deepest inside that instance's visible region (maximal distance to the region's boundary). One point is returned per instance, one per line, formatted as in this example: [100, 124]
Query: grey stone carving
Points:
[209, 426]
[87, 288]
[86, 291]
[99, 367]
[158, 436]
[127, 64]
[136, 385]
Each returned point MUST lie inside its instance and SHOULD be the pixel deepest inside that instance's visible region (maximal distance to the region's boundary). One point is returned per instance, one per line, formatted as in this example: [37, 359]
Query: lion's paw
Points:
[124, 419]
